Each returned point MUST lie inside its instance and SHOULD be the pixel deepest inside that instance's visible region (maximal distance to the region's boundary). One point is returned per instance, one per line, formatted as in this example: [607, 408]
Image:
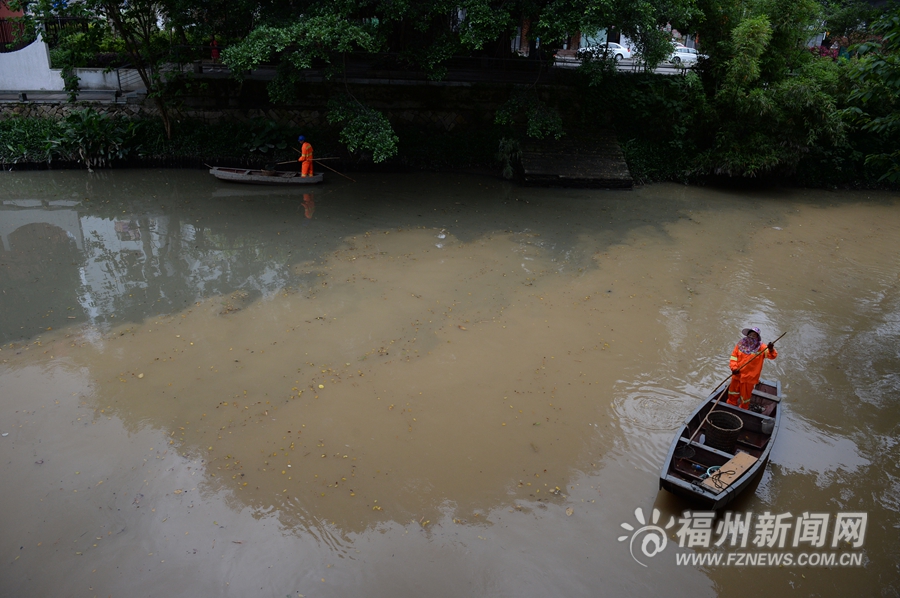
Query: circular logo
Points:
[652, 537]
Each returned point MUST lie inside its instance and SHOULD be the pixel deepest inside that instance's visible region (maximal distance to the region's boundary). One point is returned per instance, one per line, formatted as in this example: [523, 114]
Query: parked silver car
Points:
[684, 56]
[615, 50]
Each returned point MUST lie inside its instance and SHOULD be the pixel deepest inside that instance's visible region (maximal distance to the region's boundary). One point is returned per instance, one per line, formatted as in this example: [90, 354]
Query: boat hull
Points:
[263, 177]
[687, 457]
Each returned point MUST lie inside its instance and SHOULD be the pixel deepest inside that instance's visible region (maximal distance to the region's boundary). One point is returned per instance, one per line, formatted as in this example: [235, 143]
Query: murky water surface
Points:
[425, 384]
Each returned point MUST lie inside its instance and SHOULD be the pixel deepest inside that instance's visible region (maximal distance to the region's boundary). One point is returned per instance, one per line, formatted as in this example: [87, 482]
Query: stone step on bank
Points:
[596, 161]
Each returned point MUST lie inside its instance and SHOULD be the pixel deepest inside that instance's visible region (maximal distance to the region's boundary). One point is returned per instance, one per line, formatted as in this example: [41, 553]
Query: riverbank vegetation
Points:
[762, 104]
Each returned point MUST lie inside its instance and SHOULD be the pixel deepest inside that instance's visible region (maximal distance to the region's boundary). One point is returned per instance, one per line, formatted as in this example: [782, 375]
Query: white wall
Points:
[28, 69]
[99, 79]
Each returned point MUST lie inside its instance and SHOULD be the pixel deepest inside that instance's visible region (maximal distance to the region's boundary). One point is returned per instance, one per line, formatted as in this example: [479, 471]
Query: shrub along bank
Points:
[807, 133]
[91, 139]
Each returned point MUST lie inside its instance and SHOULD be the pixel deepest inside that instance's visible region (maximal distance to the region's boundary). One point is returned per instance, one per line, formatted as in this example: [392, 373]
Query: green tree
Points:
[426, 35]
[773, 100]
[875, 97]
[364, 128]
[848, 21]
[145, 30]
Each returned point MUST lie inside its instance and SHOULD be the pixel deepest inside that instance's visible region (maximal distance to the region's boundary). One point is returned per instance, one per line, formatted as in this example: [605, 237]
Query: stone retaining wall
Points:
[58, 111]
[432, 107]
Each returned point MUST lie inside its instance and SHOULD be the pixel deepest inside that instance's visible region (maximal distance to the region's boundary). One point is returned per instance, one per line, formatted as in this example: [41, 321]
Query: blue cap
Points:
[301, 138]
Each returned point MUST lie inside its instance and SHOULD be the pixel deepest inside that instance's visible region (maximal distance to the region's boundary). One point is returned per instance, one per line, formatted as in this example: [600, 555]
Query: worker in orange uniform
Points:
[748, 357]
[306, 157]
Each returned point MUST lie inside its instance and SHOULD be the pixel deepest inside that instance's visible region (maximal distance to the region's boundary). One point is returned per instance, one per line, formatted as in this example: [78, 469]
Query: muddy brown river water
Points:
[433, 385]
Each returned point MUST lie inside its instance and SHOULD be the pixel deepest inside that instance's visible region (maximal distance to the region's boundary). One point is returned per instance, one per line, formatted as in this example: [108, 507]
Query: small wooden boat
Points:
[712, 477]
[263, 177]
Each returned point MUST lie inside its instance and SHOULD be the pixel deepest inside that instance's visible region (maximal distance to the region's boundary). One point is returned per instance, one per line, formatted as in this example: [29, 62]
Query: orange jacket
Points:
[751, 373]
[306, 152]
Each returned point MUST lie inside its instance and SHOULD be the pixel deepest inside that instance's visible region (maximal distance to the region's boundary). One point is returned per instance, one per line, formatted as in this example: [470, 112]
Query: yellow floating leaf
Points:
[569, 511]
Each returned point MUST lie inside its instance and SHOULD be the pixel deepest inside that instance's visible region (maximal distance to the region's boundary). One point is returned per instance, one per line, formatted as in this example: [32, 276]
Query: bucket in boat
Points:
[767, 426]
[723, 430]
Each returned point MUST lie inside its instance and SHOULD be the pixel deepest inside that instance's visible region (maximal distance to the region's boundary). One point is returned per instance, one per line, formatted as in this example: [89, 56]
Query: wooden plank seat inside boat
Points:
[731, 471]
[771, 390]
[768, 402]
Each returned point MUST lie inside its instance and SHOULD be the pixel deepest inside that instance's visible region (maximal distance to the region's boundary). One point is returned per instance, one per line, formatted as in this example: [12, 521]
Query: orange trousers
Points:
[740, 392]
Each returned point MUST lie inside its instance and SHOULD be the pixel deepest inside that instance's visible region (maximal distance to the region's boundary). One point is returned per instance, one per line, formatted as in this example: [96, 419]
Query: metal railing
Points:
[54, 26]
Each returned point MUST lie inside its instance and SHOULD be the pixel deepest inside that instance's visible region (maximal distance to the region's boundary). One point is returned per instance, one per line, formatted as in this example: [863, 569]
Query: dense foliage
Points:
[760, 104]
[89, 138]
[26, 140]
[86, 137]
[425, 35]
[540, 121]
[364, 128]
[875, 97]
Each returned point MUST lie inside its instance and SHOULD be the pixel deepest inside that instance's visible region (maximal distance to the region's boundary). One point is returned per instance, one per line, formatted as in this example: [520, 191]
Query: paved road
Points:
[627, 65]
[105, 96]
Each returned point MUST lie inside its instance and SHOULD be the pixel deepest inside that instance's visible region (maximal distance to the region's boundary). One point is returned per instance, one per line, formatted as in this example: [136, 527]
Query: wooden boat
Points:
[263, 177]
[709, 476]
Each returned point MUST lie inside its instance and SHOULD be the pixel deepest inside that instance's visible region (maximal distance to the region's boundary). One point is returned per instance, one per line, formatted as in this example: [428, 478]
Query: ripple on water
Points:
[653, 408]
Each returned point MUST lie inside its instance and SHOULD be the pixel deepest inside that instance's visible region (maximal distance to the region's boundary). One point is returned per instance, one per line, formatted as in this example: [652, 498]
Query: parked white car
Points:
[684, 56]
[615, 50]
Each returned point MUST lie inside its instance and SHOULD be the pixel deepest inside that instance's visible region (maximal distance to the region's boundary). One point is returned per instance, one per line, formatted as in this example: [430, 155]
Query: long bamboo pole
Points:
[325, 165]
[335, 171]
